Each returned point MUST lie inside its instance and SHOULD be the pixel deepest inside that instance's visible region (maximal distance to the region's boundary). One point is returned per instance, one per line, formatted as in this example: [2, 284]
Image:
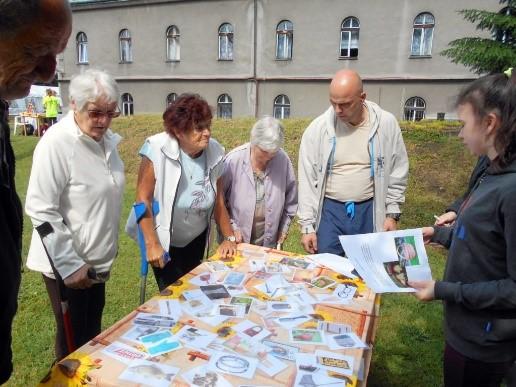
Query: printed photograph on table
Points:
[406, 249]
[163, 346]
[234, 278]
[322, 282]
[233, 364]
[230, 310]
[282, 350]
[246, 301]
[149, 319]
[149, 373]
[203, 377]
[306, 336]
[295, 262]
[215, 292]
[216, 266]
[137, 331]
[195, 337]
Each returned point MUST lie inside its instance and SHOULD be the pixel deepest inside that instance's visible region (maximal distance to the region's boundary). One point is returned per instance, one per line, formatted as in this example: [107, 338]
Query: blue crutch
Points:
[139, 210]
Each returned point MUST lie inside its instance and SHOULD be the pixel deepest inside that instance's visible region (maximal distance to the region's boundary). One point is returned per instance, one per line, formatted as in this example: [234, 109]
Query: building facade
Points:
[272, 57]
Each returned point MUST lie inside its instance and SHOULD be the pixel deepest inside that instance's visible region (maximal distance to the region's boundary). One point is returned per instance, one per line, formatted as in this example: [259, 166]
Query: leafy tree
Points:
[484, 55]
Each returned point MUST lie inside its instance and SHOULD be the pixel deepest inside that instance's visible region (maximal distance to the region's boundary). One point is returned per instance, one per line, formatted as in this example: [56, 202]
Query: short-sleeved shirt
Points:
[51, 105]
[194, 200]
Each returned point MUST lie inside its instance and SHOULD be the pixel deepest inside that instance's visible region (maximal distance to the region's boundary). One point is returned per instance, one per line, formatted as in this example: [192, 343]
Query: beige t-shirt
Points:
[350, 178]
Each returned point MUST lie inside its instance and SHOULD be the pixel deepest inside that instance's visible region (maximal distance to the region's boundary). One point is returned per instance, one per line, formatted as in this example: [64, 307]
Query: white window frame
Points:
[425, 27]
[82, 47]
[284, 40]
[171, 97]
[173, 44]
[126, 46]
[225, 107]
[127, 104]
[414, 109]
[226, 42]
[281, 109]
[348, 32]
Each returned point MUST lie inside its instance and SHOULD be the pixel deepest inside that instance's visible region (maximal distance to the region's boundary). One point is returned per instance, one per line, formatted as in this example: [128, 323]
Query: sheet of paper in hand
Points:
[387, 261]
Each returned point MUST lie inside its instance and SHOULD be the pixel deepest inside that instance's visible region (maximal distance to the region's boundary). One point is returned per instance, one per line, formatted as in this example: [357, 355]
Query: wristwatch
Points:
[396, 217]
[230, 238]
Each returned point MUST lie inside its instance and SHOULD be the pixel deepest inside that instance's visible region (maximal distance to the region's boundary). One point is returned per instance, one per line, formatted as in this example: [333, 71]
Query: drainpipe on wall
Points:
[255, 50]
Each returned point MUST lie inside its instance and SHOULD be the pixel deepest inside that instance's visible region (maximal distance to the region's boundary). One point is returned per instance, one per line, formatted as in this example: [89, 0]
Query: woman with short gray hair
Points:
[75, 192]
[260, 169]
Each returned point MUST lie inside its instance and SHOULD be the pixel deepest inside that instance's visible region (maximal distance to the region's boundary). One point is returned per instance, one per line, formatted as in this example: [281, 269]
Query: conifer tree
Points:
[486, 55]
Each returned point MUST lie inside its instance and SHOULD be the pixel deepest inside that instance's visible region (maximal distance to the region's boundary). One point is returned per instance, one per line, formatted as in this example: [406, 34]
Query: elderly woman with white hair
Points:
[74, 200]
[261, 170]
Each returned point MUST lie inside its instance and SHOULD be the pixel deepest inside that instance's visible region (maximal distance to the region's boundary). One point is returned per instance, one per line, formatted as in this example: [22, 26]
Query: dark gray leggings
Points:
[85, 306]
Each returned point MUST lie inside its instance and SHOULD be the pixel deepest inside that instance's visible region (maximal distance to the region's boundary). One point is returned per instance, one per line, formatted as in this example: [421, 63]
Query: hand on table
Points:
[238, 236]
[227, 249]
[424, 290]
[79, 279]
[309, 242]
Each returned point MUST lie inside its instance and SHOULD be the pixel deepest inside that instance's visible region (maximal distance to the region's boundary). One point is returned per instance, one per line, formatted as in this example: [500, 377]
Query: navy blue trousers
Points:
[335, 222]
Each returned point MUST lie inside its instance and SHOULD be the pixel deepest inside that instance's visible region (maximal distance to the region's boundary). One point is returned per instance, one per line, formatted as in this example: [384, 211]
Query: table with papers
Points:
[261, 318]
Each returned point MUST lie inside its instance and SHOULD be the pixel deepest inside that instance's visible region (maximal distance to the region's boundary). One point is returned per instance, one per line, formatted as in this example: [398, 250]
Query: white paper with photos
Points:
[270, 365]
[387, 260]
[124, 353]
[342, 364]
[149, 373]
[194, 337]
[170, 307]
[203, 377]
[334, 262]
[233, 364]
[346, 340]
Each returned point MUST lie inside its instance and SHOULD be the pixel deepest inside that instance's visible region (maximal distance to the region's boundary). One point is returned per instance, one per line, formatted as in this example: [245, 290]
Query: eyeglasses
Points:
[97, 114]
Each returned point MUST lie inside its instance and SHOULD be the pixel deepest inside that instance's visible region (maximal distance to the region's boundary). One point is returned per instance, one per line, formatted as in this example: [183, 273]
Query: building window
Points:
[415, 109]
[224, 107]
[82, 47]
[281, 107]
[349, 32]
[127, 104]
[171, 98]
[173, 47]
[126, 49]
[284, 38]
[422, 35]
[226, 42]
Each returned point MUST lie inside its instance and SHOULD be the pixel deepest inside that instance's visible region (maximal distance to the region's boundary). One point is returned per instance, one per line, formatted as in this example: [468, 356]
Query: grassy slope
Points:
[409, 340]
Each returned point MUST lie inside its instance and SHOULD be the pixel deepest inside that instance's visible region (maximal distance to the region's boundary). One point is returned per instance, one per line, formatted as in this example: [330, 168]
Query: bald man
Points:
[32, 33]
[353, 169]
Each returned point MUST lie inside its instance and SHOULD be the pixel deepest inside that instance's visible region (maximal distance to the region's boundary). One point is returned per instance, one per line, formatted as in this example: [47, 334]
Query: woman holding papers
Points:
[180, 169]
[479, 285]
[74, 199]
[260, 186]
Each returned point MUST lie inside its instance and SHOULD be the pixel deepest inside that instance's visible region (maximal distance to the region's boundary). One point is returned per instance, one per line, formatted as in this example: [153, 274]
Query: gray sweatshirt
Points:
[479, 285]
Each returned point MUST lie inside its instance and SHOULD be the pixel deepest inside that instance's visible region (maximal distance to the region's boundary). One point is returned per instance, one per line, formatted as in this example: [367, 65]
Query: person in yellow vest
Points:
[51, 105]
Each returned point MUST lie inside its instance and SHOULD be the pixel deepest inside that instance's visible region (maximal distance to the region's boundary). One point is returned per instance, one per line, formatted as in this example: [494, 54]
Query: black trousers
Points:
[85, 308]
[183, 260]
[461, 371]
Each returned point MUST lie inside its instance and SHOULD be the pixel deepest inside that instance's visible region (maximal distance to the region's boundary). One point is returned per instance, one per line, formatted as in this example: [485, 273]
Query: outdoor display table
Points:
[34, 119]
[267, 339]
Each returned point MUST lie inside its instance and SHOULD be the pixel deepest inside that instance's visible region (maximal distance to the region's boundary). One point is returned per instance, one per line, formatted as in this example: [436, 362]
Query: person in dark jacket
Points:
[479, 285]
[32, 33]
[450, 213]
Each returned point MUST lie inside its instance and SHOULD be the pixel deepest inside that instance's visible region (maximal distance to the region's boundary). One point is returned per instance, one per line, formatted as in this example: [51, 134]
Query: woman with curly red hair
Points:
[180, 169]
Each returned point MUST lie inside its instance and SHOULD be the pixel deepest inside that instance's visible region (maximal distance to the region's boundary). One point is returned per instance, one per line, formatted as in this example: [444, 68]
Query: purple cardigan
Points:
[240, 193]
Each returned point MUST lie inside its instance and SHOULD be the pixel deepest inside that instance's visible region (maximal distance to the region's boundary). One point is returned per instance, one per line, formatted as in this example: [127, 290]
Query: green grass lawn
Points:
[407, 350]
